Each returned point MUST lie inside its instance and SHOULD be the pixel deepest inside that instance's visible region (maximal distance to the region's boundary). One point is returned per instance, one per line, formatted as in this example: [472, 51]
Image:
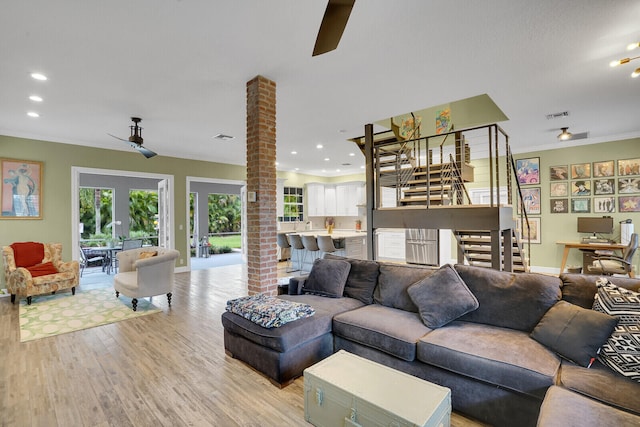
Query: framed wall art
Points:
[629, 204]
[559, 189]
[629, 167]
[628, 185]
[559, 173]
[581, 187]
[581, 171]
[528, 170]
[601, 169]
[531, 201]
[21, 189]
[559, 205]
[533, 234]
[580, 205]
[604, 204]
[604, 186]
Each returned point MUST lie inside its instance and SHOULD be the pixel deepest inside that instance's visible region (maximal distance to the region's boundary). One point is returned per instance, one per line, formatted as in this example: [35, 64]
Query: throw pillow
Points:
[362, 280]
[26, 254]
[622, 351]
[573, 332]
[442, 297]
[42, 269]
[147, 254]
[327, 278]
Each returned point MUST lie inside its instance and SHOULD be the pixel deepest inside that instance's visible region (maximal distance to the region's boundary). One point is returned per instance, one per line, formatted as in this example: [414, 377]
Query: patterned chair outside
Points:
[40, 270]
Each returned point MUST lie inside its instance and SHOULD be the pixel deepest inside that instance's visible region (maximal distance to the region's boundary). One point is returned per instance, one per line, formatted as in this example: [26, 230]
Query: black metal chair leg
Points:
[28, 300]
[13, 298]
[169, 297]
[73, 290]
[134, 303]
[117, 294]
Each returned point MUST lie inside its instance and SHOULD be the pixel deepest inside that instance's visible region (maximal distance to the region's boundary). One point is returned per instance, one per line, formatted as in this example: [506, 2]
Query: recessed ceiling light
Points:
[33, 114]
[319, 146]
[326, 159]
[337, 170]
[223, 137]
[294, 152]
[35, 98]
[297, 169]
[362, 167]
[324, 170]
[352, 154]
[277, 163]
[39, 76]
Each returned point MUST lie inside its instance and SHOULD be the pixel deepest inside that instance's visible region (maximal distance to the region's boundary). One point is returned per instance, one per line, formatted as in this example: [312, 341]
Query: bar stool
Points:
[311, 245]
[296, 244]
[283, 243]
[325, 243]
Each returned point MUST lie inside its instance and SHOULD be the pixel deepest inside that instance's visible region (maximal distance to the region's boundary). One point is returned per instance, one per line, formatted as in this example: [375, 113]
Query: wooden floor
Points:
[165, 369]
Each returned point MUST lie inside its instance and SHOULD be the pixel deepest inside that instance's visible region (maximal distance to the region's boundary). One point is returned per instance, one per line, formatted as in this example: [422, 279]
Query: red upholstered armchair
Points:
[32, 268]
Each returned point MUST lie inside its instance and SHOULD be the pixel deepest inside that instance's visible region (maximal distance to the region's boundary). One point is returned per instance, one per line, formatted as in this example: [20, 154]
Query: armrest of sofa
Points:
[295, 285]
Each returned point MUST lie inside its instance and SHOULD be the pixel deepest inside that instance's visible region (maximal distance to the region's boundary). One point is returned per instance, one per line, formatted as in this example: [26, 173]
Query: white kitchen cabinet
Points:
[391, 245]
[315, 199]
[330, 200]
[334, 199]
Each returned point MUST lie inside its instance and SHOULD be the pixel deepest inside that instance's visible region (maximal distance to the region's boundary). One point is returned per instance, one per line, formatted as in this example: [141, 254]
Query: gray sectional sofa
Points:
[478, 343]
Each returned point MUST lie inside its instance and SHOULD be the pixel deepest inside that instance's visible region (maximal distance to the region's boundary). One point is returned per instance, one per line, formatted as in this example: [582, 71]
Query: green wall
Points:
[562, 227]
[55, 226]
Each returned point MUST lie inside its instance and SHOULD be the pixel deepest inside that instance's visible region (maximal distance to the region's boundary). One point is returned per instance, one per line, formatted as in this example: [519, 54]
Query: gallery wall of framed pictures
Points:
[607, 186]
[600, 187]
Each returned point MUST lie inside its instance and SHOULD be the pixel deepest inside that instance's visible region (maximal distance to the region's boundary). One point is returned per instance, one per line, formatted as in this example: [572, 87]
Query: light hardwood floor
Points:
[165, 369]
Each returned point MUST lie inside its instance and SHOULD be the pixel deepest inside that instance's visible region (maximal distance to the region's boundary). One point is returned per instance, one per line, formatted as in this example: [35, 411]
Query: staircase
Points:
[476, 246]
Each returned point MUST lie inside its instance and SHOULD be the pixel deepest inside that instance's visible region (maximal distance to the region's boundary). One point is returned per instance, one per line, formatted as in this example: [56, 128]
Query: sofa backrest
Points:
[393, 281]
[510, 300]
[580, 289]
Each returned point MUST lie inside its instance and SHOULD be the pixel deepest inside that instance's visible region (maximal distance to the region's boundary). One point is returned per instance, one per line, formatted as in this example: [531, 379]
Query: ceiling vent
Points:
[223, 137]
[557, 115]
[581, 135]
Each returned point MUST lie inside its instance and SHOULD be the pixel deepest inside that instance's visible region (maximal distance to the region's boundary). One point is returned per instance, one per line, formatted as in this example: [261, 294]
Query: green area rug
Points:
[58, 314]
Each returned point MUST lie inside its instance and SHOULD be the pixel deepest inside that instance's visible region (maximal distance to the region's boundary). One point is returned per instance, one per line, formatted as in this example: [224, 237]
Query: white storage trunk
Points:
[348, 390]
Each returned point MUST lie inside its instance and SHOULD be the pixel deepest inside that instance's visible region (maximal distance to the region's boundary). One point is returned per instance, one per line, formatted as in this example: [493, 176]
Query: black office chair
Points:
[612, 264]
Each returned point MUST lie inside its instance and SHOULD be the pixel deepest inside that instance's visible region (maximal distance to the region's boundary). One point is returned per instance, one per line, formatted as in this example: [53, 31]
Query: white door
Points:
[164, 217]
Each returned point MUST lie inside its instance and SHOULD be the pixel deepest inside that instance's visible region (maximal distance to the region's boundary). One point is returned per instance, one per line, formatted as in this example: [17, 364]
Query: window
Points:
[293, 205]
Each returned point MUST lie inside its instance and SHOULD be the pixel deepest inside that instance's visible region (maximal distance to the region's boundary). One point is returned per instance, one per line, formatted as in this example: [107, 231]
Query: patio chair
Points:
[85, 261]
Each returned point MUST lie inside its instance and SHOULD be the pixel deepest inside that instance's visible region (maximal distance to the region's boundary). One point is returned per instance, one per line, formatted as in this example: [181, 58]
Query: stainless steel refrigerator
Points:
[422, 246]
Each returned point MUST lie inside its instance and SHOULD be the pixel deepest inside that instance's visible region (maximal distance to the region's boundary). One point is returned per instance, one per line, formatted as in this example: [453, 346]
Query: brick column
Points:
[261, 178]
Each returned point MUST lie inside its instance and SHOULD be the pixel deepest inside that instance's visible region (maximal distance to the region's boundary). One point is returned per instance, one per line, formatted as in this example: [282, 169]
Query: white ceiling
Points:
[182, 65]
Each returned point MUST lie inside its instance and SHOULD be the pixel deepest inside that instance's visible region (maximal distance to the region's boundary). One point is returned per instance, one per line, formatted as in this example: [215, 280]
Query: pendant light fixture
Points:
[632, 46]
[565, 135]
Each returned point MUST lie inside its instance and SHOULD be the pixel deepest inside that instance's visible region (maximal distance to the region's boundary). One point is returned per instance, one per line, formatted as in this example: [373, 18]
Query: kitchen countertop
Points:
[337, 234]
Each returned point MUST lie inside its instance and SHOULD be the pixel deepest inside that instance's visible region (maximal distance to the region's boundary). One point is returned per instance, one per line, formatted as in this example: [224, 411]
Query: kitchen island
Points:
[349, 243]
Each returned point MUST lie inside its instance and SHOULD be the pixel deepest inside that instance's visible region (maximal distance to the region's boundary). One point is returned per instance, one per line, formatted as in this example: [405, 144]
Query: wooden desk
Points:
[589, 246]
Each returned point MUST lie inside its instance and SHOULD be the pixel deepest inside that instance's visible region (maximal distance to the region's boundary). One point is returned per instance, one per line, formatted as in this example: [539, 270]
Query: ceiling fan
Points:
[332, 26]
[135, 140]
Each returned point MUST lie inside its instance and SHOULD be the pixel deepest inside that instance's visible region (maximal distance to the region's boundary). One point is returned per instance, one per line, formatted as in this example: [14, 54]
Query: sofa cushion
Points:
[43, 269]
[573, 332]
[362, 279]
[442, 297]
[622, 350]
[386, 329]
[327, 278]
[510, 300]
[393, 282]
[295, 333]
[580, 289]
[563, 408]
[500, 356]
[601, 383]
[26, 254]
